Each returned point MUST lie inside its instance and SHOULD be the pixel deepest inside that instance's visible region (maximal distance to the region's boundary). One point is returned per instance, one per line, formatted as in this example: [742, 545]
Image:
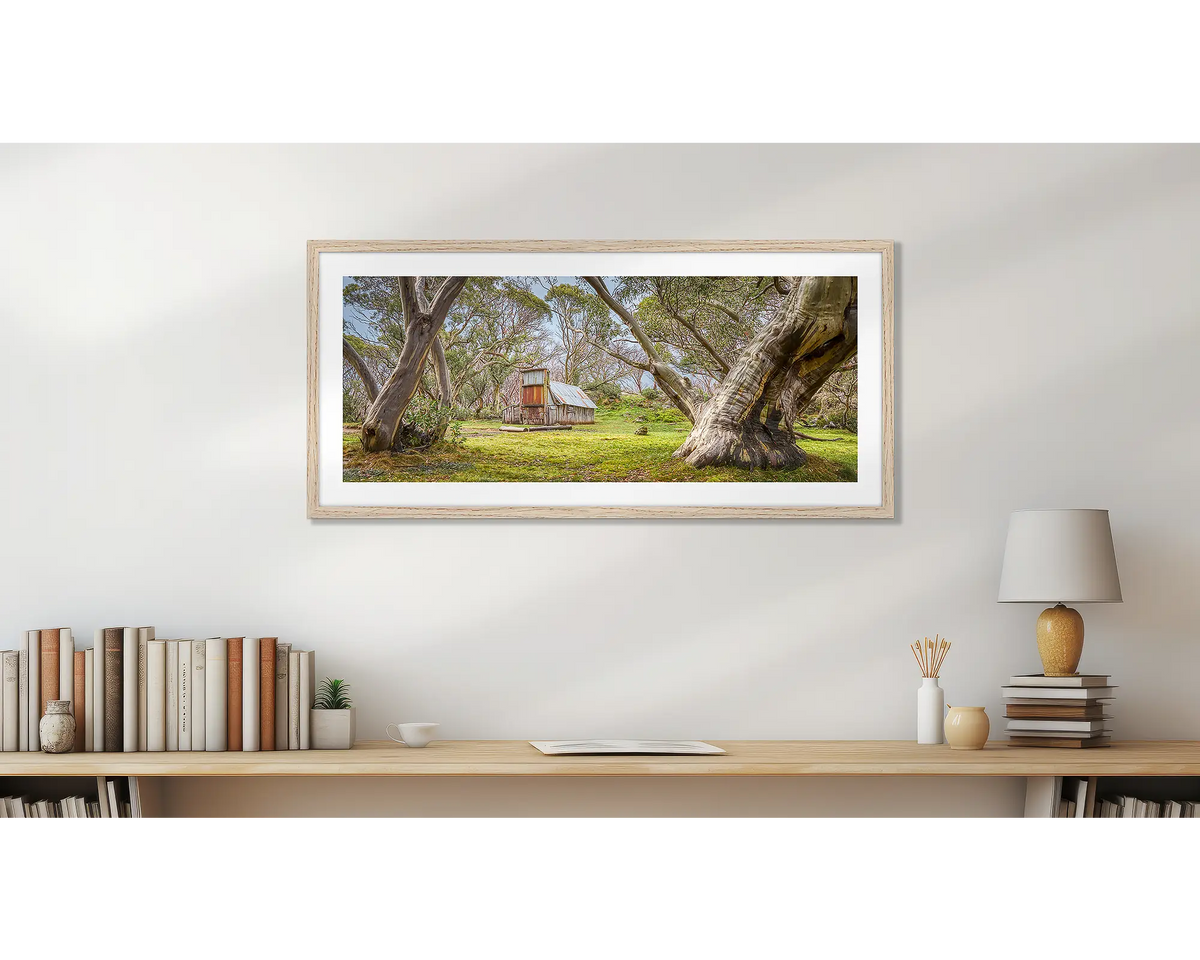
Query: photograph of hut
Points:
[547, 403]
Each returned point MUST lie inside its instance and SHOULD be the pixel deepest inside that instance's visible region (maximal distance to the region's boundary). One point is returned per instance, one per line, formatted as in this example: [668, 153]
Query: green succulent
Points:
[333, 695]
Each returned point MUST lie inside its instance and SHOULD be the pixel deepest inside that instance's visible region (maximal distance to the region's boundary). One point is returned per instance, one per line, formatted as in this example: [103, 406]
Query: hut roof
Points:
[566, 394]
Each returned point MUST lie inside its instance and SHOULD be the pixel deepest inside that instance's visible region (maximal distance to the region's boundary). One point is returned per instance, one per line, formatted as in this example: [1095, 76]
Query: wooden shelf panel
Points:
[744, 758]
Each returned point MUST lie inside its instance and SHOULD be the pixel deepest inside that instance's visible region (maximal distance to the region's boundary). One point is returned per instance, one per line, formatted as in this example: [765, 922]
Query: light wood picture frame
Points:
[702, 325]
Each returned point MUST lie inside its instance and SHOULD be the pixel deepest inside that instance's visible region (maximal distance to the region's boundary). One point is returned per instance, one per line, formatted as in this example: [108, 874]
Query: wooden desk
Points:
[743, 758]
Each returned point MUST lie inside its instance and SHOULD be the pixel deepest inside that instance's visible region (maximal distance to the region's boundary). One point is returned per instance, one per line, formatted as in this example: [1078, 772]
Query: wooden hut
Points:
[547, 403]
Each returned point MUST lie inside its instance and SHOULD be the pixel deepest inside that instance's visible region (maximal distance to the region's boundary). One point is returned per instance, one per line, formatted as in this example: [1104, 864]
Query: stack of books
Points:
[116, 797]
[1058, 711]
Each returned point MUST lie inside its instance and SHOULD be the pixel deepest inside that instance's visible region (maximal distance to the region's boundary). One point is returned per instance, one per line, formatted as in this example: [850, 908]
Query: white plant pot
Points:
[332, 729]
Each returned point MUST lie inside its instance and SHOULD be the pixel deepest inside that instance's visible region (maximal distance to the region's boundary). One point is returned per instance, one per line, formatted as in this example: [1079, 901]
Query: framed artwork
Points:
[673, 379]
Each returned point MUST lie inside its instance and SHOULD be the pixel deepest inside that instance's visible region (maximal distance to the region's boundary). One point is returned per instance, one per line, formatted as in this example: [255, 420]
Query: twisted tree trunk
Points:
[422, 322]
[747, 423]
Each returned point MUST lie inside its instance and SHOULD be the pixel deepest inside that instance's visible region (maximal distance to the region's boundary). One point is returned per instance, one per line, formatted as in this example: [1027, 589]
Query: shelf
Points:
[744, 758]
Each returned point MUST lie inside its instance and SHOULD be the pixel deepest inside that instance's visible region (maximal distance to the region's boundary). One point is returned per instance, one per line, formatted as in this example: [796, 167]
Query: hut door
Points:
[533, 395]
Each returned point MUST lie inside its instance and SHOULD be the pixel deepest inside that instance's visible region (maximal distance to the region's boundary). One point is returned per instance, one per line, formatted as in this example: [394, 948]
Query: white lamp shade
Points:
[1059, 556]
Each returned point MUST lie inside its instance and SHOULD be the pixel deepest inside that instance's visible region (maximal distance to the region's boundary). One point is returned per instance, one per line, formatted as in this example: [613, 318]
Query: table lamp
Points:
[1059, 557]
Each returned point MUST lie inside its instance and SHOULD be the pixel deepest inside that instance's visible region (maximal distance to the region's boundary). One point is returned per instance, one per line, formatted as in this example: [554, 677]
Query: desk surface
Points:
[743, 758]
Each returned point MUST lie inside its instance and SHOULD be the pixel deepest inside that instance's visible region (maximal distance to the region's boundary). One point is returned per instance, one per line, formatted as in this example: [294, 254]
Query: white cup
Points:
[412, 734]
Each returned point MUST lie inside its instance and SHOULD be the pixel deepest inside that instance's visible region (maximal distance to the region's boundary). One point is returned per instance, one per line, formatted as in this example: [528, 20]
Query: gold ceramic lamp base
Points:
[1060, 640]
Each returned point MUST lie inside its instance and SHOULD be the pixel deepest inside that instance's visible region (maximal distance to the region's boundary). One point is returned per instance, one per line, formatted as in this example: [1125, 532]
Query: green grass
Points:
[607, 451]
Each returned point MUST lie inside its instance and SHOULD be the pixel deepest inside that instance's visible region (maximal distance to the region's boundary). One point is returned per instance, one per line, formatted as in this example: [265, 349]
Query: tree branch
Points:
[410, 299]
[370, 384]
[444, 299]
[673, 385]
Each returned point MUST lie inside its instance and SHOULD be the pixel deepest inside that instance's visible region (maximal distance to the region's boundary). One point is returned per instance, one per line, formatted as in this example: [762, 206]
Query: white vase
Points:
[931, 708]
[56, 730]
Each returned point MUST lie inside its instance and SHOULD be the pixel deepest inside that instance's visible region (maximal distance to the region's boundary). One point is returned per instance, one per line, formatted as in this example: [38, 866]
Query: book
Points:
[215, 709]
[266, 692]
[1041, 680]
[199, 704]
[48, 665]
[1023, 741]
[233, 693]
[114, 707]
[129, 689]
[1091, 785]
[554, 748]
[251, 672]
[308, 694]
[1077, 794]
[102, 791]
[282, 694]
[1062, 726]
[135, 797]
[23, 692]
[50, 674]
[293, 700]
[1061, 733]
[1042, 795]
[66, 668]
[145, 635]
[33, 666]
[89, 700]
[12, 699]
[98, 690]
[156, 695]
[172, 695]
[1059, 693]
[1072, 711]
[81, 696]
[114, 805]
[184, 695]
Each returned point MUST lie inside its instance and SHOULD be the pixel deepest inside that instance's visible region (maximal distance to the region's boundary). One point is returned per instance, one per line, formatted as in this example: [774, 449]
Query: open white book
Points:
[669, 747]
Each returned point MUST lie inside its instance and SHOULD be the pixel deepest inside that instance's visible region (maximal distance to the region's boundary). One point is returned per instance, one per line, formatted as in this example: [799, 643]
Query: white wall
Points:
[152, 412]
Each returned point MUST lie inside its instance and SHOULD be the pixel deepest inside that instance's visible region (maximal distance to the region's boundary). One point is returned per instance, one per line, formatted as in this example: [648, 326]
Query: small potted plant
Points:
[332, 717]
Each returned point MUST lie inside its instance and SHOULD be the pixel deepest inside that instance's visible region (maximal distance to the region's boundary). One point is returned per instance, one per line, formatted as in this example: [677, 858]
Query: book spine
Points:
[114, 708]
[156, 696]
[66, 668]
[12, 699]
[266, 693]
[145, 635]
[50, 677]
[282, 696]
[233, 693]
[23, 692]
[251, 671]
[89, 700]
[98, 690]
[293, 710]
[34, 665]
[216, 710]
[307, 694]
[199, 705]
[129, 689]
[184, 695]
[172, 695]
[81, 694]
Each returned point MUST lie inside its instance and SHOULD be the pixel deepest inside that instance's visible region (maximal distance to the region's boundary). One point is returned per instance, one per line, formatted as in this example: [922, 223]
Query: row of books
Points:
[1058, 711]
[1121, 806]
[118, 797]
[132, 692]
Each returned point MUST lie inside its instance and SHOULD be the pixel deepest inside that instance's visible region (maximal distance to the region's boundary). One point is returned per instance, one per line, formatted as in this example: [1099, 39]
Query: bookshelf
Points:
[743, 758]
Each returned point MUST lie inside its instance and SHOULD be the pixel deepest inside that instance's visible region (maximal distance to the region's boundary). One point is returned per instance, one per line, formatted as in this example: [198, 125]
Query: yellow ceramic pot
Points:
[967, 728]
